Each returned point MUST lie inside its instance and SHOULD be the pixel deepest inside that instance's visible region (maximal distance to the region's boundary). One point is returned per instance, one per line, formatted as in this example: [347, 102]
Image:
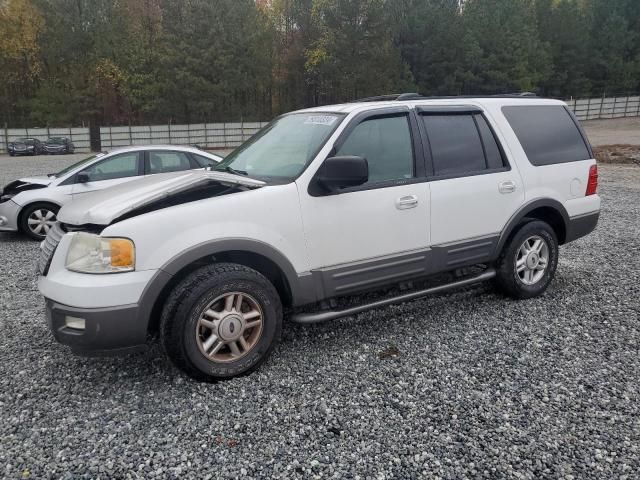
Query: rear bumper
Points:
[581, 225]
[108, 331]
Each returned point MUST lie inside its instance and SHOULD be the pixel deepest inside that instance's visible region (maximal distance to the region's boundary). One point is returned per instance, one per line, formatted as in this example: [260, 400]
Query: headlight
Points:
[90, 253]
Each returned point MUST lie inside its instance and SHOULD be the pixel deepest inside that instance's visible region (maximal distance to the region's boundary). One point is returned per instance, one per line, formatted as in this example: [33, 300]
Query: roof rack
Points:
[399, 97]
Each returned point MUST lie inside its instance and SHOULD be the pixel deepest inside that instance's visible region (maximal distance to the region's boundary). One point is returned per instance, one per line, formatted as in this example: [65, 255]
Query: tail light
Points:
[592, 184]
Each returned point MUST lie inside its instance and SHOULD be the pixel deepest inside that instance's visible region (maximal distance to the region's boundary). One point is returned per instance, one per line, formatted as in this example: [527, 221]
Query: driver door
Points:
[111, 171]
[367, 235]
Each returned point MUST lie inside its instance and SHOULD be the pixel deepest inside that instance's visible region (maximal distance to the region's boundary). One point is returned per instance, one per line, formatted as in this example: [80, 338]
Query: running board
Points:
[317, 317]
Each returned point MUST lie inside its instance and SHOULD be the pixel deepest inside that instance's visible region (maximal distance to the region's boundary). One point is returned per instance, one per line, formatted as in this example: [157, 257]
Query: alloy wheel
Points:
[532, 259]
[229, 327]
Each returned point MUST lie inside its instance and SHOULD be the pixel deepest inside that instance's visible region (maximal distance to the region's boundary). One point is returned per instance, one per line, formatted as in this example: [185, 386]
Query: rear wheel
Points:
[37, 219]
[220, 322]
[528, 262]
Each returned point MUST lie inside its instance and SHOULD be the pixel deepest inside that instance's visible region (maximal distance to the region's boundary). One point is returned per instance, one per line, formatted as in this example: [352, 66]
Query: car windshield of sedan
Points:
[283, 148]
[56, 141]
[27, 141]
[77, 165]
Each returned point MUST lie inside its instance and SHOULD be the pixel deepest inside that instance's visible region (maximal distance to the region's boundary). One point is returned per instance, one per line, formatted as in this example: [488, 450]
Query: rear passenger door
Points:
[474, 189]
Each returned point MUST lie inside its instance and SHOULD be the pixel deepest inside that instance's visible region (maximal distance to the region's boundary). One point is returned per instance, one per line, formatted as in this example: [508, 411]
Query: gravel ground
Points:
[613, 131]
[468, 384]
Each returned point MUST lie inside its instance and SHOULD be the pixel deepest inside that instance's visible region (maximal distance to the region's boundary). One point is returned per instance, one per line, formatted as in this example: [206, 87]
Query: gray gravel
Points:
[468, 384]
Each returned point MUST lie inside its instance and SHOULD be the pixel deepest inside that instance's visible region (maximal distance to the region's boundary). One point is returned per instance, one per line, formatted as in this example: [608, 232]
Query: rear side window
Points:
[462, 144]
[168, 161]
[547, 134]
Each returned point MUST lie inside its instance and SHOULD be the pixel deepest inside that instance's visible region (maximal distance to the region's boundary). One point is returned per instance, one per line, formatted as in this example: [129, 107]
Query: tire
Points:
[525, 271]
[185, 328]
[30, 228]
[11, 154]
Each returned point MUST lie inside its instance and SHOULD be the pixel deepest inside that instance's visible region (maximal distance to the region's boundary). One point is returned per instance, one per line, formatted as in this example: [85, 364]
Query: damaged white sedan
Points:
[30, 204]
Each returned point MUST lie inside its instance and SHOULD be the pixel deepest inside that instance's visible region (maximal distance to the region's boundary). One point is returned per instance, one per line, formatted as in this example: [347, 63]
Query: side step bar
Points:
[317, 317]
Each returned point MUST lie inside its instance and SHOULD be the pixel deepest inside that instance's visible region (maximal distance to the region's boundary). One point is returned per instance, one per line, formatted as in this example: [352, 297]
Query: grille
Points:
[48, 247]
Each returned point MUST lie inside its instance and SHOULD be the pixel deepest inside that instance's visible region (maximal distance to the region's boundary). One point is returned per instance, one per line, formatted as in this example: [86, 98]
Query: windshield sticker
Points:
[320, 120]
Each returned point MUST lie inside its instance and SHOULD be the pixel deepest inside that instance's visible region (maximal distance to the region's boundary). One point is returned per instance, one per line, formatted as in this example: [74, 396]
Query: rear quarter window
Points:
[547, 133]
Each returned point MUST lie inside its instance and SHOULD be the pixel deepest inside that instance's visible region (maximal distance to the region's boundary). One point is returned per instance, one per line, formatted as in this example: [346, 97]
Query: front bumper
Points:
[9, 211]
[108, 331]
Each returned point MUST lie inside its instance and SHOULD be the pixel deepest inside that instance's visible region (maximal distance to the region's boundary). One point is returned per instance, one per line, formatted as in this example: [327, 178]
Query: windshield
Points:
[56, 141]
[283, 148]
[77, 164]
[27, 141]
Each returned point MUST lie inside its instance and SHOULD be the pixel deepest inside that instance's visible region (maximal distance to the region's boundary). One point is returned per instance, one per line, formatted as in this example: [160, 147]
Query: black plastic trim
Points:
[369, 274]
[112, 330]
[448, 109]
[523, 211]
[301, 292]
[581, 225]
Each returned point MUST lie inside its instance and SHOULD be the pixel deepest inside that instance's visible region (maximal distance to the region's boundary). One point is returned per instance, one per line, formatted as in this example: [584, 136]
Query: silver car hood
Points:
[104, 206]
[37, 179]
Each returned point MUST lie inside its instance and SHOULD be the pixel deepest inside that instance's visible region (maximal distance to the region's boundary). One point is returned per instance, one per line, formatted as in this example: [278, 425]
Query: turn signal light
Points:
[592, 184]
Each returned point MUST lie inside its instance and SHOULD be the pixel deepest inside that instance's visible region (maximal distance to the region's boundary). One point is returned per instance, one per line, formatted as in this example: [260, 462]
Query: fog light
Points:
[3, 221]
[74, 322]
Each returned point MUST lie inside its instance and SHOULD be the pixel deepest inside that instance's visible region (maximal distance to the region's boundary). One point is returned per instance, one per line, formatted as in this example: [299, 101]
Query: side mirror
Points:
[337, 173]
[82, 177]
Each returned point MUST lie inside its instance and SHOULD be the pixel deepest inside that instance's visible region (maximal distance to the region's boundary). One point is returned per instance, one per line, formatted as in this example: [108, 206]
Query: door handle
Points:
[507, 187]
[409, 201]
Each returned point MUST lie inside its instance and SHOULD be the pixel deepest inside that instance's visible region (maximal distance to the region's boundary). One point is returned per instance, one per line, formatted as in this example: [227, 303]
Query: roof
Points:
[414, 100]
[184, 148]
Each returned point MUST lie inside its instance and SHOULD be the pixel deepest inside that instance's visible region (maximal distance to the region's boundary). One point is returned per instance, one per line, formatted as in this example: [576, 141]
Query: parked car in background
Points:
[25, 146]
[59, 145]
[30, 205]
[322, 203]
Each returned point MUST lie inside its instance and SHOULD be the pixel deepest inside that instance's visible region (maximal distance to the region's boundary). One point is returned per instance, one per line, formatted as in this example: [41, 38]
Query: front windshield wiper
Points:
[228, 169]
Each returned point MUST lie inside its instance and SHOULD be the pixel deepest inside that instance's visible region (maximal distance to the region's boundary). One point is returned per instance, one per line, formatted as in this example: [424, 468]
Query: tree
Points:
[353, 55]
[20, 66]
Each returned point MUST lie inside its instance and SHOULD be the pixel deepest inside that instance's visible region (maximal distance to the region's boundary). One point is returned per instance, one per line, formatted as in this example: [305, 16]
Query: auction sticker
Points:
[320, 120]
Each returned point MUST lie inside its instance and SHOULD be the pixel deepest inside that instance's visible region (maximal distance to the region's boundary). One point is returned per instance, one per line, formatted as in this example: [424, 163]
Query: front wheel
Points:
[528, 262]
[220, 322]
[37, 219]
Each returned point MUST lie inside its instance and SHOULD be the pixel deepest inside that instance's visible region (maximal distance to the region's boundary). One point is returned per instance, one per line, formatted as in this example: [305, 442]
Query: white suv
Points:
[321, 204]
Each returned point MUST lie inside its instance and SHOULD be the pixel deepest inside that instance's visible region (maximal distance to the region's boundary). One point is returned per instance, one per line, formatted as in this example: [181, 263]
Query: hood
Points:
[37, 180]
[150, 193]
[24, 184]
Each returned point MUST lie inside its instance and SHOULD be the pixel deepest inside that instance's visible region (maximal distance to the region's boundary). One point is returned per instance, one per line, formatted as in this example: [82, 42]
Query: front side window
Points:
[167, 161]
[386, 144]
[76, 165]
[283, 148]
[118, 166]
[461, 144]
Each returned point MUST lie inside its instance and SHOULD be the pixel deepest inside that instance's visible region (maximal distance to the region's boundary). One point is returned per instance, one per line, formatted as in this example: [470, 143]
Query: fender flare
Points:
[299, 292]
[523, 211]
